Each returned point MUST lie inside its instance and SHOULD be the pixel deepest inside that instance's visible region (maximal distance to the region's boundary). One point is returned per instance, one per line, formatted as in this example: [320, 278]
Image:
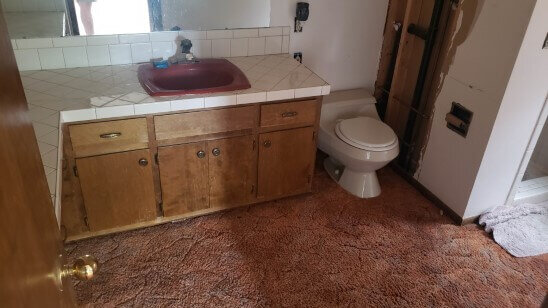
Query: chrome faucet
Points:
[186, 56]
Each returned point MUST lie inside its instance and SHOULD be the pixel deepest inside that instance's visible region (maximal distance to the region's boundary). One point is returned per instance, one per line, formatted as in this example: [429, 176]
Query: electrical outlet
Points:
[298, 56]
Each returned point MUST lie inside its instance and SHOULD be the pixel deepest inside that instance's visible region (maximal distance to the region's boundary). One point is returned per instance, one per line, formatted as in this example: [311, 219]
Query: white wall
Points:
[215, 14]
[477, 78]
[341, 41]
[518, 115]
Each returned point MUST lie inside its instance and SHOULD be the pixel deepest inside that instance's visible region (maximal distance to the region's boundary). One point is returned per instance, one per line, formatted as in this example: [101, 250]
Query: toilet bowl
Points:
[357, 141]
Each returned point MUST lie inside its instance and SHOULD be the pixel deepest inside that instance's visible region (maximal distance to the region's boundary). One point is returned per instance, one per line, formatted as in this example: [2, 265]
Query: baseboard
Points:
[430, 196]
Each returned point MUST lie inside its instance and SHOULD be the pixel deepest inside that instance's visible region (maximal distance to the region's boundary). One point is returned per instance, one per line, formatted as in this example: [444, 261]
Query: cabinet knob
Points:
[143, 162]
[200, 154]
[216, 152]
[267, 144]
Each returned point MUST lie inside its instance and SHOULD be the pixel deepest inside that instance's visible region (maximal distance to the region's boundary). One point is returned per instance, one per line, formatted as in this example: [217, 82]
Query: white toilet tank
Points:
[348, 104]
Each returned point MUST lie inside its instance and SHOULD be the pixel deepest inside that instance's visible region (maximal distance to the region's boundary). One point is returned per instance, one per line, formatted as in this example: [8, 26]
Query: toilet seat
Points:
[366, 133]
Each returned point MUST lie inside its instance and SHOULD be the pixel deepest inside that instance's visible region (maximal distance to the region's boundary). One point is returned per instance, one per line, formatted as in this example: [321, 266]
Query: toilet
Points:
[357, 141]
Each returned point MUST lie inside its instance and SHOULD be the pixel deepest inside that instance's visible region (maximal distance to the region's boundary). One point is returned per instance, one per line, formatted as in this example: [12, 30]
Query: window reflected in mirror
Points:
[55, 18]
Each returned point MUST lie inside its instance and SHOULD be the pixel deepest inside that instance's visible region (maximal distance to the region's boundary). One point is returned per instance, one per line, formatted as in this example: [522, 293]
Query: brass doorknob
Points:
[83, 268]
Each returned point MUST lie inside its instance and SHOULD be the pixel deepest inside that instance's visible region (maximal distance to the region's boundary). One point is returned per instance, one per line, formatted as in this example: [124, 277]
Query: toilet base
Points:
[360, 184]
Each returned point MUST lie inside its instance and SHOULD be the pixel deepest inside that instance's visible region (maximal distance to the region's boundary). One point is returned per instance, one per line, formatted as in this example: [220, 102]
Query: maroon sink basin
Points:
[204, 76]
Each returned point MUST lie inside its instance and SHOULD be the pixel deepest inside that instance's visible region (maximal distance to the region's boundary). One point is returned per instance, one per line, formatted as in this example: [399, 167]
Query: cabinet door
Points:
[285, 162]
[184, 178]
[118, 189]
[232, 171]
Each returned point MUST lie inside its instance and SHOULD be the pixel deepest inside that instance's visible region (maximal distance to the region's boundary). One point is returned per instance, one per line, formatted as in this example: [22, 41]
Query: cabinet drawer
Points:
[293, 113]
[198, 123]
[108, 137]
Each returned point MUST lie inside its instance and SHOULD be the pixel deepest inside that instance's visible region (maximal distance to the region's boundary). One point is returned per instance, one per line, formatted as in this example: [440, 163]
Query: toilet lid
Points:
[366, 133]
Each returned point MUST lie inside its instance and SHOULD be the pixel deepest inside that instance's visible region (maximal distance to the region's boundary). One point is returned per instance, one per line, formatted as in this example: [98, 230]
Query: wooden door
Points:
[30, 243]
[286, 161]
[184, 178]
[232, 171]
[118, 189]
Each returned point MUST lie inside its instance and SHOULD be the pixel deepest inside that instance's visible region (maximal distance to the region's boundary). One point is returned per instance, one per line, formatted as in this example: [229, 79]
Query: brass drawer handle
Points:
[201, 154]
[289, 114]
[110, 135]
[267, 144]
[216, 152]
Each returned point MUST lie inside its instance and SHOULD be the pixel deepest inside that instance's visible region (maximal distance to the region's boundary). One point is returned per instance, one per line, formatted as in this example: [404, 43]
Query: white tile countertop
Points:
[101, 92]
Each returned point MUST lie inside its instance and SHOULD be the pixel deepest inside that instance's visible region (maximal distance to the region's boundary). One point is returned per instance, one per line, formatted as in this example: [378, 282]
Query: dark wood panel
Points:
[117, 189]
[184, 178]
[30, 242]
[73, 212]
[285, 162]
[232, 173]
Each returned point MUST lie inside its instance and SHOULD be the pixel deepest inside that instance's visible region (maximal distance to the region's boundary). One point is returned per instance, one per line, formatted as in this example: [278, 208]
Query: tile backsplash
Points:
[99, 50]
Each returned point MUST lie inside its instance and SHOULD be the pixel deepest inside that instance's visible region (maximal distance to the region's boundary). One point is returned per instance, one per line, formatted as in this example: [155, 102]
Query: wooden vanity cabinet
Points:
[209, 174]
[159, 168]
[118, 189]
[286, 162]
[232, 171]
[183, 178]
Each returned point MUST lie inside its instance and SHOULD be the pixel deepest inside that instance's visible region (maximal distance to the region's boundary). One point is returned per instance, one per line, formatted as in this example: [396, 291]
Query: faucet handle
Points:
[186, 45]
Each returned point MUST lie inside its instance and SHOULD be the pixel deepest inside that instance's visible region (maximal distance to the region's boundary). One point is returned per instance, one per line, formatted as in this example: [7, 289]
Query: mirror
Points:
[55, 18]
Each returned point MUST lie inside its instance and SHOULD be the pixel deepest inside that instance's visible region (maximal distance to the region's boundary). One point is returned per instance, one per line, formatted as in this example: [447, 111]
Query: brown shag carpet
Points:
[325, 249]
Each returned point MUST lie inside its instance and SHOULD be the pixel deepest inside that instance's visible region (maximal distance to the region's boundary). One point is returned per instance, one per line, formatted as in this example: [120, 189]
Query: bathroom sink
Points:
[200, 77]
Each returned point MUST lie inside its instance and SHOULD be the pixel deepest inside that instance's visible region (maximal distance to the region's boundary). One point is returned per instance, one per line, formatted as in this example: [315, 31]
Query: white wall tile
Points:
[202, 48]
[280, 95]
[241, 33]
[256, 46]
[193, 35]
[78, 115]
[141, 52]
[218, 101]
[134, 38]
[164, 36]
[274, 31]
[273, 45]
[187, 104]
[251, 98]
[120, 54]
[51, 58]
[285, 44]
[149, 108]
[34, 43]
[326, 90]
[308, 92]
[239, 47]
[69, 41]
[27, 59]
[75, 56]
[114, 111]
[219, 34]
[163, 49]
[220, 48]
[98, 55]
[94, 40]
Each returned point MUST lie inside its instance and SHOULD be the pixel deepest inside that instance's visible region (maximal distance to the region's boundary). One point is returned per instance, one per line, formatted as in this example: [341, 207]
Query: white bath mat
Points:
[521, 230]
